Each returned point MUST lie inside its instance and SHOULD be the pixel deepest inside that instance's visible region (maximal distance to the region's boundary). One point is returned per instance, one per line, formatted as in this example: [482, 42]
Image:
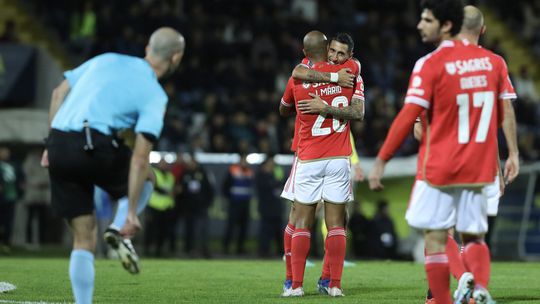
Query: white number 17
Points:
[484, 100]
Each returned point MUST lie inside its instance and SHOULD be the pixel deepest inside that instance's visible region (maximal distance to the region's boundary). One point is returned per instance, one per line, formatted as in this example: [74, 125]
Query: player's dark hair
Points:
[345, 39]
[446, 10]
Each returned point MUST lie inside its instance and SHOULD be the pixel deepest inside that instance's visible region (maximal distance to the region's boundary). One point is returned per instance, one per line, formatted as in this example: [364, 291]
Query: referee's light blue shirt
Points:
[113, 91]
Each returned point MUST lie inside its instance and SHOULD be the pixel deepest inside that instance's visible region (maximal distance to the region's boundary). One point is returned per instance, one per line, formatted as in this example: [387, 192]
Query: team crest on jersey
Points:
[305, 85]
[450, 68]
[417, 81]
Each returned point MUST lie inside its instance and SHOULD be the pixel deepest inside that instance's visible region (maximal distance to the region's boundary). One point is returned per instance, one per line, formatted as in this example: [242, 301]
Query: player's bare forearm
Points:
[58, 96]
[353, 112]
[302, 73]
[509, 128]
[343, 77]
[511, 166]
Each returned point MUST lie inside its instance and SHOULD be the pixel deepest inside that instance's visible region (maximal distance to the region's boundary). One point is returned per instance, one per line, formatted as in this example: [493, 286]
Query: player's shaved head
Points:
[315, 45]
[473, 20]
[165, 42]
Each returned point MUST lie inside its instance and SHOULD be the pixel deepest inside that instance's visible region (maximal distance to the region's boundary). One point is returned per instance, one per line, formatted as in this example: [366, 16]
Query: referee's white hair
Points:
[165, 42]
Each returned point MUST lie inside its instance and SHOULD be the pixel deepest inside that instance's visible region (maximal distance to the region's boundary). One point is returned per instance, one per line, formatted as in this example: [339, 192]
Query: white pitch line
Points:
[30, 302]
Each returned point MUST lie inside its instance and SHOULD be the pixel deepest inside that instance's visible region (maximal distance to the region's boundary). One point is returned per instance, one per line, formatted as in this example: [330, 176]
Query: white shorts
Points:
[433, 208]
[288, 189]
[493, 193]
[328, 180]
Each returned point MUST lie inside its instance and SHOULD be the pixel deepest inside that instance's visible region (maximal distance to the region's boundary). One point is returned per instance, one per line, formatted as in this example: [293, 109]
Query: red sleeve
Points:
[506, 89]
[288, 96]
[359, 88]
[400, 128]
[354, 65]
[307, 63]
[421, 83]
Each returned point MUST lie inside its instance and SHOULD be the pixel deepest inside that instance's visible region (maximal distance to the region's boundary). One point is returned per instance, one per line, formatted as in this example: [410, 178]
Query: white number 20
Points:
[484, 100]
[337, 126]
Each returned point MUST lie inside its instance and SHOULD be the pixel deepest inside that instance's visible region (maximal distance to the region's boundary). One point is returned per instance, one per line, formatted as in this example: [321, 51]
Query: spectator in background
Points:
[241, 132]
[83, 30]
[525, 87]
[238, 190]
[9, 193]
[159, 215]
[361, 230]
[528, 107]
[196, 195]
[10, 32]
[269, 183]
[37, 197]
[385, 232]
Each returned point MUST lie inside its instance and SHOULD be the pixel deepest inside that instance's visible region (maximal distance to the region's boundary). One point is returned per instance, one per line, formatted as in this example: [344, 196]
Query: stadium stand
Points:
[241, 54]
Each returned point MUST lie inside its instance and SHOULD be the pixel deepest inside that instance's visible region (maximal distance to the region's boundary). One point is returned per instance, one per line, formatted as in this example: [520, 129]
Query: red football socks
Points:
[300, 244]
[454, 257]
[287, 239]
[438, 275]
[326, 264]
[336, 249]
[477, 260]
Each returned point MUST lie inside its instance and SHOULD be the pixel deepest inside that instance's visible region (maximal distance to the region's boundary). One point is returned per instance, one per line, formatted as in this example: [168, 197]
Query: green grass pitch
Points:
[250, 281]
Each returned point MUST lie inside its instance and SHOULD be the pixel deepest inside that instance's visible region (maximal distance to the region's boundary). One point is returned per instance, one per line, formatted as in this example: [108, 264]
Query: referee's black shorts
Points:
[74, 172]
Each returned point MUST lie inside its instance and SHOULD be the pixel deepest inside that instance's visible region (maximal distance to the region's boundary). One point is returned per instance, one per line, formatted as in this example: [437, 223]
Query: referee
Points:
[107, 93]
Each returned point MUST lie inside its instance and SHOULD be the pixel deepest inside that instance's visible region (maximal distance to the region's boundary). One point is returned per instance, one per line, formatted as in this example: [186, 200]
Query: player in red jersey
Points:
[340, 50]
[473, 27]
[457, 92]
[322, 173]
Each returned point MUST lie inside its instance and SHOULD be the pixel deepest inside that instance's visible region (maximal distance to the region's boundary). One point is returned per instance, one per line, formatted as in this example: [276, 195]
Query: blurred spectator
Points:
[362, 232]
[9, 193]
[241, 54]
[10, 32]
[527, 111]
[196, 194]
[385, 232]
[238, 190]
[160, 222]
[36, 197]
[83, 29]
[525, 87]
[269, 183]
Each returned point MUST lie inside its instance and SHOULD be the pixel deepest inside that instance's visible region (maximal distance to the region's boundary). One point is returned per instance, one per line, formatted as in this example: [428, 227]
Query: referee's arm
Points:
[58, 96]
[138, 172]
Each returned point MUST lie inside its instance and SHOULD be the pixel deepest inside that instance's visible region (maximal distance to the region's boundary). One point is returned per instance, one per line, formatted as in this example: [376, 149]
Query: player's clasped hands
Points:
[345, 78]
[312, 106]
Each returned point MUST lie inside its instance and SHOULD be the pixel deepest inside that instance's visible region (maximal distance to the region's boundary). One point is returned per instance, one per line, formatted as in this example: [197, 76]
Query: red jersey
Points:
[288, 101]
[320, 136]
[461, 85]
[288, 97]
